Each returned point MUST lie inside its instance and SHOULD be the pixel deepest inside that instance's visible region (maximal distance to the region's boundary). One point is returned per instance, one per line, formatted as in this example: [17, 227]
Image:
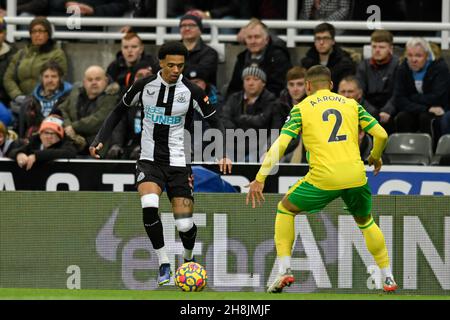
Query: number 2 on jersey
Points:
[334, 137]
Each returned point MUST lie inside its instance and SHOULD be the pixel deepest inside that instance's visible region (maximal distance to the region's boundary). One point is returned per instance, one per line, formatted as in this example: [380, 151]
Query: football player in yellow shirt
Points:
[329, 125]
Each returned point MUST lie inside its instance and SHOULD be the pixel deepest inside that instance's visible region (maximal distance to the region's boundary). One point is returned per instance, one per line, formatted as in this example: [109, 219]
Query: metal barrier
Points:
[291, 25]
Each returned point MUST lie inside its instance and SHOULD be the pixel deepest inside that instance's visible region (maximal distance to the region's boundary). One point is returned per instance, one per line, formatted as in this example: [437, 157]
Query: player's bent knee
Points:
[150, 200]
[184, 224]
[362, 220]
[281, 208]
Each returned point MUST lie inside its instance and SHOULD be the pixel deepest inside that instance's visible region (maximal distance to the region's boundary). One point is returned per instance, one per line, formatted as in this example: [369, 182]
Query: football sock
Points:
[153, 225]
[284, 264]
[386, 272]
[188, 240]
[284, 236]
[188, 233]
[162, 256]
[375, 243]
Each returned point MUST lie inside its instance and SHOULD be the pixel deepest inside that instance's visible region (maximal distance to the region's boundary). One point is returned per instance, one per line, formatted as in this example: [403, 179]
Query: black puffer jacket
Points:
[340, 64]
[205, 60]
[64, 149]
[119, 72]
[275, 62]
[259, 115]
[435, 88]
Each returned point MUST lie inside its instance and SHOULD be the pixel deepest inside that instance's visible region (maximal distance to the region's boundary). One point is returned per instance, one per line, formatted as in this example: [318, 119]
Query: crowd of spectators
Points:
[40, 110]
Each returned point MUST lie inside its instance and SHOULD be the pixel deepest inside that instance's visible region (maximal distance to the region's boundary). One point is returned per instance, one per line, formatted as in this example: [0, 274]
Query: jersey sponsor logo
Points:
[150, 93]
[156, 115]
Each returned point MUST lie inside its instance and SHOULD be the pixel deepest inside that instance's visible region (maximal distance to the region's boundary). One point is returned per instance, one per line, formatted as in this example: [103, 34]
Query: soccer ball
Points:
[191, 276]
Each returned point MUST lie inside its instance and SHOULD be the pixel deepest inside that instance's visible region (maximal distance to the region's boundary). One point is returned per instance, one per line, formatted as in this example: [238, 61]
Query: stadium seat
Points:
[409, 149]
[443, 148]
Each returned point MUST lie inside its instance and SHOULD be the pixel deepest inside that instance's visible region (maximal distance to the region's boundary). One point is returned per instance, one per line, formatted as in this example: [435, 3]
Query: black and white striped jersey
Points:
[167, 109]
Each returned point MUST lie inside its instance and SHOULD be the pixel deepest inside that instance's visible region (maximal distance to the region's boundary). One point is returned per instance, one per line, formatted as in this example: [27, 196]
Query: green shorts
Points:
[312, 199]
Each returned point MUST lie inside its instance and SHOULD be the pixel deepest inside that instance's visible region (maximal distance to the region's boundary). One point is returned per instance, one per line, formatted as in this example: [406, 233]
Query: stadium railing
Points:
[216, 25]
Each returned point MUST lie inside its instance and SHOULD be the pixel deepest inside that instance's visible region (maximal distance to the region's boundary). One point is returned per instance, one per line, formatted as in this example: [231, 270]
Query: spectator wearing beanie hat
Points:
[23, 72]
[254, 71]
[254, 107]
[196, 19]
[202, 57]
[49, 144]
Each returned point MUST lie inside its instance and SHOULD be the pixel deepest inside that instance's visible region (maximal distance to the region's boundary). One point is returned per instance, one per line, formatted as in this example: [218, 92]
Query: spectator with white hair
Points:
[421, 88]
[268, 52]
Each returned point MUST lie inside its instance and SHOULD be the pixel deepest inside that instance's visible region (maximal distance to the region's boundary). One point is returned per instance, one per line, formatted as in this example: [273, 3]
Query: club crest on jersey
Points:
[181, 98]
[206, 99]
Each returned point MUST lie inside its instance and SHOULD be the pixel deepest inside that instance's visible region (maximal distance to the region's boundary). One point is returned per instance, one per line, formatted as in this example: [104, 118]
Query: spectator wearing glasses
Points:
[326, 52]
[24, 70]
[201, 56]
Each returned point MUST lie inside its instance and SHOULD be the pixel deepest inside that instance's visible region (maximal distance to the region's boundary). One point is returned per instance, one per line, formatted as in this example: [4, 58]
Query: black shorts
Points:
[174, 180]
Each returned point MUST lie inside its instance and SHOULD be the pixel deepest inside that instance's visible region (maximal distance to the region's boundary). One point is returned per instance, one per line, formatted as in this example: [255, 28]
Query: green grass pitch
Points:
[161, 294]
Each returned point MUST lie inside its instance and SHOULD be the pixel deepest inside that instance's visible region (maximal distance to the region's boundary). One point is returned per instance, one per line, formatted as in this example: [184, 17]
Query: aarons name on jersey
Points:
[156, 115]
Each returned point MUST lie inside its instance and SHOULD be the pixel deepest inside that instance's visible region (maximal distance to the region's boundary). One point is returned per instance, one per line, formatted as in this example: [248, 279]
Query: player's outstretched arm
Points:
[377, 164]
[225, 164]
[273, 156]
[105, 131]
[380, 138]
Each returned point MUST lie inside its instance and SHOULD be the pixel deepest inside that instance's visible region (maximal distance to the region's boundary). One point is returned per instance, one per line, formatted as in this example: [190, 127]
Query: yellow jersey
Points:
[329, 125]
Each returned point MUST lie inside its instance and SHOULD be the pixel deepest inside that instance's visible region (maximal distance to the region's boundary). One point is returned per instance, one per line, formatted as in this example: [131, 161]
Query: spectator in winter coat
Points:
[294, 93]
[200, 125]
[132, 52]
[23, 72]
[326, 52]
[251, 109]
[49, 144]
[7, 142]
[47, 95]
[126, 138]
[86, 108]
[270, 53]
[349, 87]
[6, 52]
[376, 76]
[201, 56]
[421, 88]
